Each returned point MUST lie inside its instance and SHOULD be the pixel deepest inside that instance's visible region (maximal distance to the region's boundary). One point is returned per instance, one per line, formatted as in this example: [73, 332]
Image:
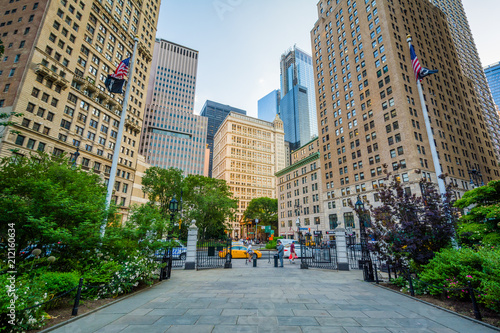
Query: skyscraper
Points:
[216, 113]
[492, 73]
[470, 63]
[370, 113]
[247, 154]
[298, 103]
[172, 136]
[268, 106]
[58, 55]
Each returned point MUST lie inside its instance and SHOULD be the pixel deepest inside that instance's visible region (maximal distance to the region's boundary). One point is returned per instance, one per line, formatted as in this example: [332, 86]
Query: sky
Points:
[240, 42]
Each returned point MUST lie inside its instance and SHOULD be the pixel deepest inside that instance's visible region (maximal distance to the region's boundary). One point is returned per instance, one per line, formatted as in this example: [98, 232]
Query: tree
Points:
[47, 202]
[481, 224]
[210, 203]
[411, 228]
[265, 209]
[161, 186]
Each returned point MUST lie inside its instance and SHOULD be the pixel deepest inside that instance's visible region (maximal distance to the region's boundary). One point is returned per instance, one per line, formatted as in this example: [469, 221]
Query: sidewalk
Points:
[268, 299]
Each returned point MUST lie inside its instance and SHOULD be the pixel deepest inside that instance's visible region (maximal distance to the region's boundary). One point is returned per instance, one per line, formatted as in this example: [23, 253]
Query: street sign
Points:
[318, 232]
[262, 227]
[304, 228]
[330, 232]
[250, 232]
[272, 232]
[268, 228]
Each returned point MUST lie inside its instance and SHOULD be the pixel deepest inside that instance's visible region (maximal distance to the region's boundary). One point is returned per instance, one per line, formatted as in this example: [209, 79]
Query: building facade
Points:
[369, 112]
[268, 106]
[492, 73]
[301, 195]
[172, 136]
[59, 55]
[469, 61]
[298, 105]
[216, 113]
[247, 154]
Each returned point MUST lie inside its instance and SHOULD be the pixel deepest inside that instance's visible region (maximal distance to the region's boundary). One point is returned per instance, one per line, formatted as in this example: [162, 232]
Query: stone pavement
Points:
[268, 299]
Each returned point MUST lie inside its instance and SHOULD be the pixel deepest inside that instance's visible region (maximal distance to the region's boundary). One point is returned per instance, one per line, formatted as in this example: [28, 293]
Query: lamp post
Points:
[255, 235]
[298, 209]
[365, 254]
[173, 207]
[476, 178]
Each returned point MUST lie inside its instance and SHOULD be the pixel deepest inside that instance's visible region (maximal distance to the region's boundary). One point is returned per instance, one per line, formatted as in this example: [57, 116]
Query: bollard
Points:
[412, 291]
[477, 313]
[77, 298]
[275, 260]
[254, 260]
[376, 274]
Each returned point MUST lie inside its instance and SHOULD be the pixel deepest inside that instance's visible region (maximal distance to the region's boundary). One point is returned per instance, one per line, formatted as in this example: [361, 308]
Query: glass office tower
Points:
[268, 106]
[297, 70]
[493, 76]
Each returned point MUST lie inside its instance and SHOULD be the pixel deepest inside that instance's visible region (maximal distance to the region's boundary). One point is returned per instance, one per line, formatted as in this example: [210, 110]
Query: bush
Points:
[453, 269]
[271, 244]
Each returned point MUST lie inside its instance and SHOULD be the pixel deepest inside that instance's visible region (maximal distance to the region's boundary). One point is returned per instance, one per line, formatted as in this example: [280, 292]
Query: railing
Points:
[213, 254]
[317, 256]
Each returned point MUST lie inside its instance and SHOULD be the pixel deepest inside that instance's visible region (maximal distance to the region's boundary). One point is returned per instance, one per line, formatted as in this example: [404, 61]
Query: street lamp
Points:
[476, 178]
[173, 207]
[255, 235]
[365, 254]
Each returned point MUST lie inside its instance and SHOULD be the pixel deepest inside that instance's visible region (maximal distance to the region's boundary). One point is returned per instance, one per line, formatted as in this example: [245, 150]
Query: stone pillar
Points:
[191, 246]
[340, 239]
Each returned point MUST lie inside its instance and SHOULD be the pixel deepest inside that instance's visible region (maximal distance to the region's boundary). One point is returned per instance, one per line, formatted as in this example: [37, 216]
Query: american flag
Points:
[420, 72]
[122, 69]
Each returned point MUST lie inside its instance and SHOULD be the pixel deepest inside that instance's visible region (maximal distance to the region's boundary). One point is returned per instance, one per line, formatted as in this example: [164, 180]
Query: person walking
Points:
[292, 253]
[281, 249]
[249, 252]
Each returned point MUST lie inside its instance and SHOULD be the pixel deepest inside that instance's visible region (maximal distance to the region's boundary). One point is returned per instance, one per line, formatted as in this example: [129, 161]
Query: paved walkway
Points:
[268, 299]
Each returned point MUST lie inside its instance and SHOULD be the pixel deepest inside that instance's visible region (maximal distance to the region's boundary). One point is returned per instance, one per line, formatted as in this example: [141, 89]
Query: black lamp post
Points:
[365, 254]
[476, 178]
[173, 207]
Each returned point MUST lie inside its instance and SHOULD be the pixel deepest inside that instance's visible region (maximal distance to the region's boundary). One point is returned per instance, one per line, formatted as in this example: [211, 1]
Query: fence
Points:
[213, 253]
[317, 256]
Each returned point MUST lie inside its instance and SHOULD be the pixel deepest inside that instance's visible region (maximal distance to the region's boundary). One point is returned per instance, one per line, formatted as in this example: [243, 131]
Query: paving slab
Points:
[267, 299]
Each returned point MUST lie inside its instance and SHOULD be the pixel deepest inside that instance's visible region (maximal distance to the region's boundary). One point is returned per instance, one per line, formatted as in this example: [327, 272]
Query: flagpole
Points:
[435, 159]
[116, 153]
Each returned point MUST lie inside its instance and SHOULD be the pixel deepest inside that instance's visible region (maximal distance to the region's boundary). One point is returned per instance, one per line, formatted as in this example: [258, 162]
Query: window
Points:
[65, 124]
[41, 146]
[20, 140]
[31, 144]
[349, 220]
[333, 221]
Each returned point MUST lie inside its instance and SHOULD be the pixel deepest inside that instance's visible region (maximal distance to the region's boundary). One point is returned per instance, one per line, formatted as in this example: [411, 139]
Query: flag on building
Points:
[420, 72]
[114, 82]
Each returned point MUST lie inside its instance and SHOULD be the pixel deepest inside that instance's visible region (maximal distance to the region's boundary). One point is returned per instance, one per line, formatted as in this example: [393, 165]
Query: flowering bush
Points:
[453, 269]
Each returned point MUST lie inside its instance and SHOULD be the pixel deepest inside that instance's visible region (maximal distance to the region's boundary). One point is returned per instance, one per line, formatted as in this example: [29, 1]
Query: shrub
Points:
[271, 244]
[453, 269]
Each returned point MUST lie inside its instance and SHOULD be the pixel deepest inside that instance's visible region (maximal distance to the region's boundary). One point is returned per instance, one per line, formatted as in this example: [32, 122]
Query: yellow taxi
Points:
[239, 252]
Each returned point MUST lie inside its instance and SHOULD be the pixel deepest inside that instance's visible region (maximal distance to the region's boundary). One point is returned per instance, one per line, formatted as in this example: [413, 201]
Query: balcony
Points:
[62, 82]
[42, 70]
[79, 79]
[133, 125]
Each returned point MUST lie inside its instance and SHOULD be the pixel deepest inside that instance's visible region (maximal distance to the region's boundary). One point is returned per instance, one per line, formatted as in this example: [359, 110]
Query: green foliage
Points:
[265, 209]
[210, 203]
[454, 268]
[161, 185]
[481, 225]
[49, 202]
[271, 244]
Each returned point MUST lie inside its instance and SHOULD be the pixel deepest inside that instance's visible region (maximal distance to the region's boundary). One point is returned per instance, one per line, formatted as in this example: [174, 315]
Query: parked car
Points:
[238, 252]
[178, 251]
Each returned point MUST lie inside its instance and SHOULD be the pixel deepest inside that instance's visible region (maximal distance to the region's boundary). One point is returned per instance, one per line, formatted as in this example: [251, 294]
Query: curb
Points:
[64, 323]
[440, 308]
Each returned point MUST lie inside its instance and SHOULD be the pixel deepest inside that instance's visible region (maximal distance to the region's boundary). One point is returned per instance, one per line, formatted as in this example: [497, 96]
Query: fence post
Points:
[412, 291]
[477, 313]
[376, 274]
[191, 246]
[77, 298]
[389, 270]
[341, 249]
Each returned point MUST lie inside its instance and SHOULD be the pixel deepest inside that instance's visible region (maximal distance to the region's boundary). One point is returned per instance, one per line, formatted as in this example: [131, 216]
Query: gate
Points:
[213, 253]
[316, 256]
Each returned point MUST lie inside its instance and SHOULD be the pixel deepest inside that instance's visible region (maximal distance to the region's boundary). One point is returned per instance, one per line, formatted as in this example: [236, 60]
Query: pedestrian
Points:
[249, 252]
[292, 253]
[281, 249]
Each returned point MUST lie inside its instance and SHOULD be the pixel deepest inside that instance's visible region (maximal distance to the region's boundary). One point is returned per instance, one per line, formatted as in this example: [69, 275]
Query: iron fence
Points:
[317, 256]
[213, 253]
